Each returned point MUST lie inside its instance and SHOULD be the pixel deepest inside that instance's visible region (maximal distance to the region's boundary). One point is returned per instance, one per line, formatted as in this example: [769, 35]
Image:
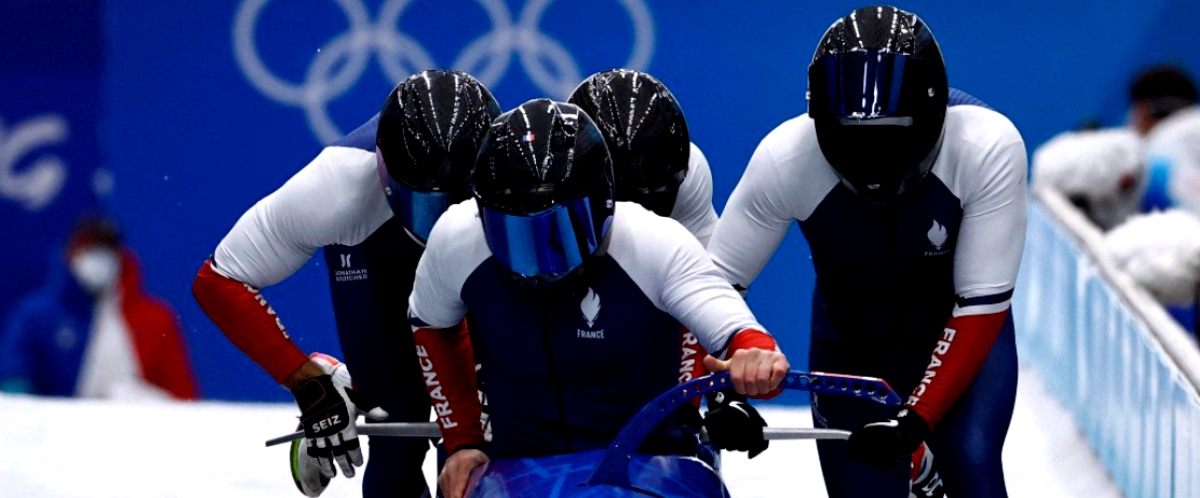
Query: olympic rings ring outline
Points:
[399, 55]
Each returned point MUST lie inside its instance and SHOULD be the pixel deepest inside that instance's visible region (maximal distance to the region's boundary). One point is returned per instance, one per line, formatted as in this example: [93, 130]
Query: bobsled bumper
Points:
[666, 476]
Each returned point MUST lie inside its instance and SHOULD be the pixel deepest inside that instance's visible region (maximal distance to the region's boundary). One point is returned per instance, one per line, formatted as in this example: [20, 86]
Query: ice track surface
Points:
[68, 449]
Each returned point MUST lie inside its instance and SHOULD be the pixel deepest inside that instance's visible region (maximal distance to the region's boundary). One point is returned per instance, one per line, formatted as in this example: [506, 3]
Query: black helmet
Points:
[544, 184]
[877, 93]
[429, 132]
[646, 134]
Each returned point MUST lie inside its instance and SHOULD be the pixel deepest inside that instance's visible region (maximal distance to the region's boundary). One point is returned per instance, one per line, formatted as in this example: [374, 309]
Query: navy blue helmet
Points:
[645, 131]
[877, 93]
[429, 132]
[544, 184]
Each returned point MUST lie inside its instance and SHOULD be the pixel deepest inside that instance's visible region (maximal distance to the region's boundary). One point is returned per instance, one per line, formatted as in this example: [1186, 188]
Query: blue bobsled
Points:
[619, 472]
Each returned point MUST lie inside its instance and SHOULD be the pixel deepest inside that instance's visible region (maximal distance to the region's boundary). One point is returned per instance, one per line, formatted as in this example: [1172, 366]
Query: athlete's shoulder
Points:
[630, 218]
[788, 175]
[981, 151]
[458, 227]
[647, 238]
[362, 138]
[457, 238]
[793, 142]
[980, 127]
[696, 158]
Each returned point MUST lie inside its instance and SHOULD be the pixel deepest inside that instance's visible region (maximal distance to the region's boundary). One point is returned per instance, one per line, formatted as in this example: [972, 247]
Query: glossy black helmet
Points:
[544, 184]
[429, 132]
[646, 134]
[877, 93]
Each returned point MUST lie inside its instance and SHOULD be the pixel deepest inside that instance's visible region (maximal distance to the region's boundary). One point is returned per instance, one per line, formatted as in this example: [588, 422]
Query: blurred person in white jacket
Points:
[1161, 252]
[1151, 163]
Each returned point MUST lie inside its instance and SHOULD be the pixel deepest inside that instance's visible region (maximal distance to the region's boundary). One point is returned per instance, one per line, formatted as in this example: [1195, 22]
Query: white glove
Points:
[328, 409]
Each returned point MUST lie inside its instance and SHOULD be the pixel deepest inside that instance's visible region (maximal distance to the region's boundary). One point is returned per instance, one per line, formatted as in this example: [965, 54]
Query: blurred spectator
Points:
[1161, 252]
[1152, 163]
[1100, 171]
[91, 331]
[1165, 106]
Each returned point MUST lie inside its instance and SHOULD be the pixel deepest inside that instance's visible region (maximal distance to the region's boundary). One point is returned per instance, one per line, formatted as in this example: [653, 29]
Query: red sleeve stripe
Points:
[448, 365]
[243, 314]
[956, 359]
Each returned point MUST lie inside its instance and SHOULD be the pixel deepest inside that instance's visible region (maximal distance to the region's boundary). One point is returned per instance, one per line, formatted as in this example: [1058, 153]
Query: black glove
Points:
[327, 414]
[733, 424]
[884, 443]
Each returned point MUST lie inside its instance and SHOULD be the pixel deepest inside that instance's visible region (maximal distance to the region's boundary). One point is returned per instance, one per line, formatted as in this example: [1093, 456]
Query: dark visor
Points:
[549, 243]
[418, 210]
[860, 85]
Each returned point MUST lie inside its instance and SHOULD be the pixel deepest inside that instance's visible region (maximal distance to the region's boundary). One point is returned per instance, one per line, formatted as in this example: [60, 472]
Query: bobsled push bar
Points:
[613, 467]
[430, 430]
[867, 388]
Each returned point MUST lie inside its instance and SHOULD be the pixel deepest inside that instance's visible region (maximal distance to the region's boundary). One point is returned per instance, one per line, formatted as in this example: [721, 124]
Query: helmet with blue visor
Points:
[544, 184]
[429, 133]
[877, 94]
[646, 134]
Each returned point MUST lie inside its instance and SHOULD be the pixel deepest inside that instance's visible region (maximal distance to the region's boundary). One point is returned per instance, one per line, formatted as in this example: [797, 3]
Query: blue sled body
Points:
[619, 472]
[566, 476]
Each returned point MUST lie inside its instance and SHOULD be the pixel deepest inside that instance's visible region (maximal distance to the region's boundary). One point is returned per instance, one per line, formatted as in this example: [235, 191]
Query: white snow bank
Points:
[68, 449]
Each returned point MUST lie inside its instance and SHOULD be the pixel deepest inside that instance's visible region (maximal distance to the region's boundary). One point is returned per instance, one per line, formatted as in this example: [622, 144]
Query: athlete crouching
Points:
[576, 301]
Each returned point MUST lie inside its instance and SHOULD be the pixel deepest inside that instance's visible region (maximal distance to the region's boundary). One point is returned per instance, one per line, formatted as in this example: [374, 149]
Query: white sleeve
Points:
[673, 270]
[786, 180]
[335, 199]
[693, 206]
[456, 247]
[992, 234]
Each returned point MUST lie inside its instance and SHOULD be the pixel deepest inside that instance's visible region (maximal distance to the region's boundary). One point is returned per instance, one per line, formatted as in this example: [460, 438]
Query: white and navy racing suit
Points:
[337, 202]
[916, 292]
[567, 368]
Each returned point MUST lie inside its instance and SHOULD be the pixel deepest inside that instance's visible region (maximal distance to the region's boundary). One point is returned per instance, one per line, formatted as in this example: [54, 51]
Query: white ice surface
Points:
[68, 449]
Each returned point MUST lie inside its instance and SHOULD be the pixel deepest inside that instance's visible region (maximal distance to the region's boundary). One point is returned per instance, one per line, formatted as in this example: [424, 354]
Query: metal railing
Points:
[1110, 353]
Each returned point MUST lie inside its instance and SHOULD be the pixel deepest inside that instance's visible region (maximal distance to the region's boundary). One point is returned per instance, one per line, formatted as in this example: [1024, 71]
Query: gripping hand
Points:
[884, 443]
[328, 410]
[733, 424]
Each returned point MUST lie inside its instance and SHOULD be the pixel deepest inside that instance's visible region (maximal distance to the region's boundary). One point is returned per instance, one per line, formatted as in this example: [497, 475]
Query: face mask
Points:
[96, 269]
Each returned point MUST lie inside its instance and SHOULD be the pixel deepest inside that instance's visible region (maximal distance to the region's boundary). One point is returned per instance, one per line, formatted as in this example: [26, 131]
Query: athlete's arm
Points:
[336, 199]
[988, 253]
[679, 278]
[693, 205]
[765, 202]
[436, 312]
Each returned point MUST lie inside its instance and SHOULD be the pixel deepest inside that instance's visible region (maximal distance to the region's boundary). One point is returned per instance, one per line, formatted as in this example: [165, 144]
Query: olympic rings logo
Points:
[340, 62]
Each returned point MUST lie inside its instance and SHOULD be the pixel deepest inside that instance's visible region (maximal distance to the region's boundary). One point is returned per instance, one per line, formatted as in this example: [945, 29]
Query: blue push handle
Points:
[613, 468]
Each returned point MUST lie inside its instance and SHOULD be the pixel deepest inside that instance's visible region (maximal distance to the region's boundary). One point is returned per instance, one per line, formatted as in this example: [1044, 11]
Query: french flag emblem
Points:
[527, 137]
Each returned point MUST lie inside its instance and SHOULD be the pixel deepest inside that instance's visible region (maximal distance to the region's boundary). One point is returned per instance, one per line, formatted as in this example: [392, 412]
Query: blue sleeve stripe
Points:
[362, 138]
[959, 97]
[983, 300]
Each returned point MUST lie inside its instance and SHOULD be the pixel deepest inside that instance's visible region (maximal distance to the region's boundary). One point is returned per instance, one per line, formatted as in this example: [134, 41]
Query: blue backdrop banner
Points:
[200, 109]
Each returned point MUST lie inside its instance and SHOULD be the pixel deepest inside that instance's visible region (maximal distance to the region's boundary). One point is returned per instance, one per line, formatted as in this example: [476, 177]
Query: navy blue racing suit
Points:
[567, 368]
[916, 292]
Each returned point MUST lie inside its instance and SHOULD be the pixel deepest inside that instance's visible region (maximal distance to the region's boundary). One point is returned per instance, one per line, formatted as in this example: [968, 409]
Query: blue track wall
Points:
[194, 133]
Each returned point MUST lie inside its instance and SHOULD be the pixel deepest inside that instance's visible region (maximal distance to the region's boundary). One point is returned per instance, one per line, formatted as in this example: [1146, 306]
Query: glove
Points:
[328, 410]
[926, 482]
[884, 443]
[734, 425]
